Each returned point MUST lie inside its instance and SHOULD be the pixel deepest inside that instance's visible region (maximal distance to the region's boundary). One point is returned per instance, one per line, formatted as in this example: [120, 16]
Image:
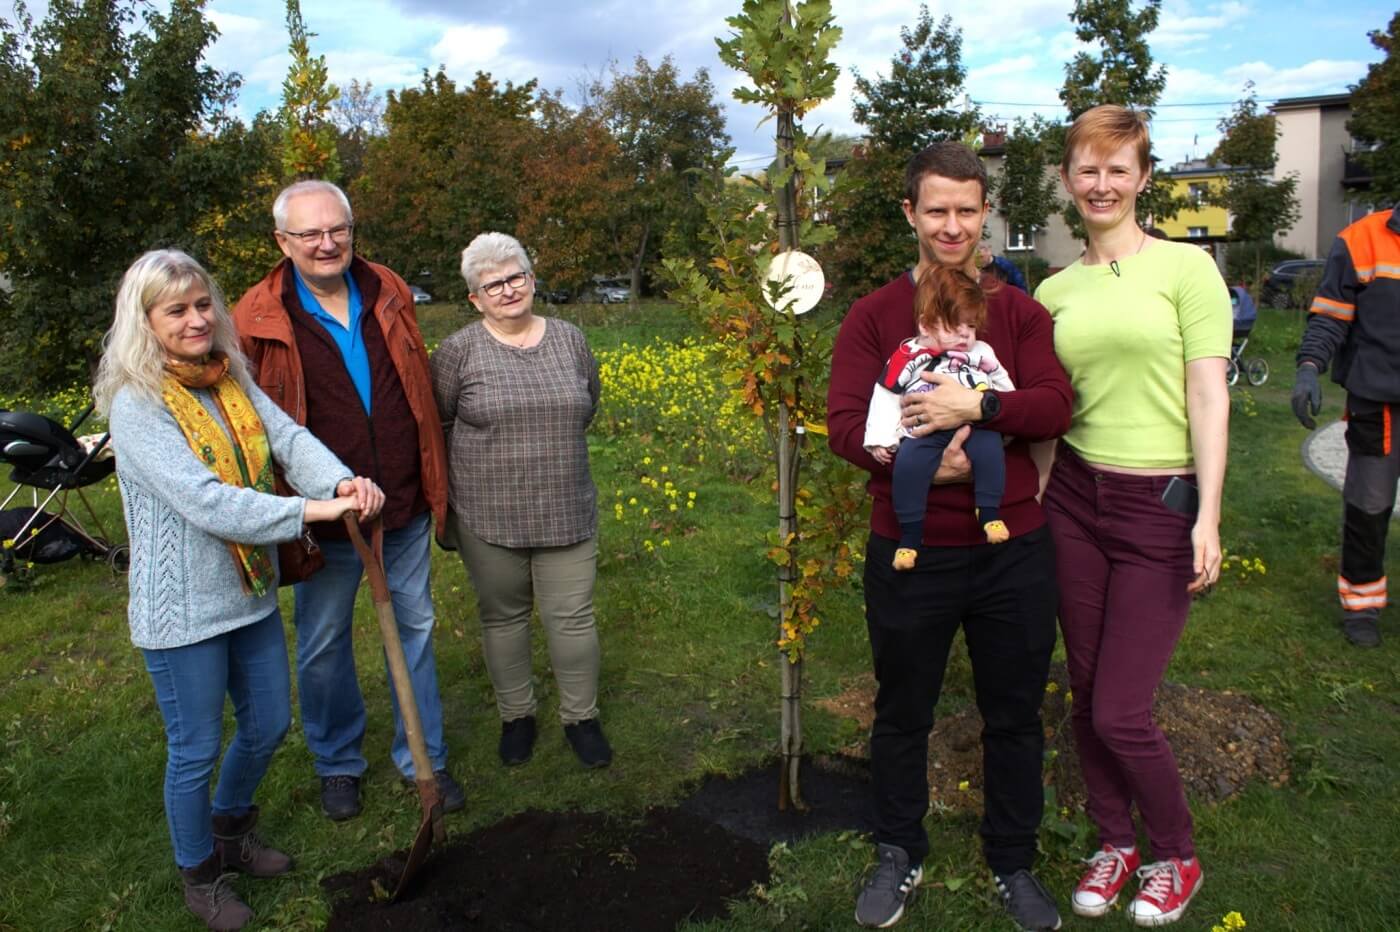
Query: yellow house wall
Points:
[1214, 219]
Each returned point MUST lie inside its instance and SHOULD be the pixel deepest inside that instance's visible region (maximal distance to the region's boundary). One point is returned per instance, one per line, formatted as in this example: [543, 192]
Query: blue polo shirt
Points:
[347, 339]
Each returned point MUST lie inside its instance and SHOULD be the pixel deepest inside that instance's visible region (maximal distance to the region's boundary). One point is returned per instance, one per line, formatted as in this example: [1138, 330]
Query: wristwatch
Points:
[991, 405]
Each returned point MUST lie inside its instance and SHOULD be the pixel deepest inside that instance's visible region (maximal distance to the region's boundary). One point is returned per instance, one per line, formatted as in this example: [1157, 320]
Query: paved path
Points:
[1325, 453]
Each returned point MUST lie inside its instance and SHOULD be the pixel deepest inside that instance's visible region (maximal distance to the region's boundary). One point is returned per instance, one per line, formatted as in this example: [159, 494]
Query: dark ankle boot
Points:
[242, 850]
[210, 896]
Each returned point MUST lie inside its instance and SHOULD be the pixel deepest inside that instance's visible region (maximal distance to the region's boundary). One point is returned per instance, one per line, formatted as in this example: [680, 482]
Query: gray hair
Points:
[488, 251]
[279, 206]
[131, 354]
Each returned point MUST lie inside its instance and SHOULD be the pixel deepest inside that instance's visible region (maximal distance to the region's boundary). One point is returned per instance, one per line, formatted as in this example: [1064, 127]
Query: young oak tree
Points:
[781, 367]
[110, 143]
[1122, 72]
[918, 103]
[1375, 116]
[308, 136]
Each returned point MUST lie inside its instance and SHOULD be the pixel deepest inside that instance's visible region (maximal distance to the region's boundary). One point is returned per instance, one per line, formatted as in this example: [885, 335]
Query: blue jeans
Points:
[250, 665]
[332, 708]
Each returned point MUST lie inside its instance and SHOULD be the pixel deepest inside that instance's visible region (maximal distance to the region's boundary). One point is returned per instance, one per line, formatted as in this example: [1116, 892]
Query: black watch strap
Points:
[991, 405]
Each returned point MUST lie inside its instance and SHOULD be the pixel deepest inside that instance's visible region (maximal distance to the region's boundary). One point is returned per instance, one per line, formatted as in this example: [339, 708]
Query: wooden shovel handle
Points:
[393, 650]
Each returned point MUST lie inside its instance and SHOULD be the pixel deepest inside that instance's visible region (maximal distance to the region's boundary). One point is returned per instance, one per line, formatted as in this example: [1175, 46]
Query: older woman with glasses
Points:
[516, 392]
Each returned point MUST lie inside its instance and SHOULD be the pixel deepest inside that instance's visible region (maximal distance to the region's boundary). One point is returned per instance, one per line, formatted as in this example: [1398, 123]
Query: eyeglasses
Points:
[496, 288]
[313, 237]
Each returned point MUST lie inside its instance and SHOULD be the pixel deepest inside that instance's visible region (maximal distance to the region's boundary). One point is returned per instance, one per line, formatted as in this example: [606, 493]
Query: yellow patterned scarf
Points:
[239, 457]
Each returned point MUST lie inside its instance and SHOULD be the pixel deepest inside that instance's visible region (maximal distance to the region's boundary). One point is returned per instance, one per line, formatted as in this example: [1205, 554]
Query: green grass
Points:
[689, 685]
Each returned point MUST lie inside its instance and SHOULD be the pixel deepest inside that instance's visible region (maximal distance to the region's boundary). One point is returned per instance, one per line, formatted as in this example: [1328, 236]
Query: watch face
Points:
[991, 405]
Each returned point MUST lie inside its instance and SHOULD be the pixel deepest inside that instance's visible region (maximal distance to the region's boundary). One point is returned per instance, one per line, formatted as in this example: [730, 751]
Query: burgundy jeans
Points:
[1123, 560]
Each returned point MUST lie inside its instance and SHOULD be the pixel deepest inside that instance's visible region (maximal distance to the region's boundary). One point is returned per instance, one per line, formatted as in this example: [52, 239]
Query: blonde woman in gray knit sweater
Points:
[196, 445]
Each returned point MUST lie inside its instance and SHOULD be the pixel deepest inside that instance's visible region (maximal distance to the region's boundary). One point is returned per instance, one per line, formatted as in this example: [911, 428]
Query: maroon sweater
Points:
[1019, 331]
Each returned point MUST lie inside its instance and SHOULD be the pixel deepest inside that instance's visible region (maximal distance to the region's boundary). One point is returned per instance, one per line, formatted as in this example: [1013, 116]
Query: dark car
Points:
[551, 295]
[1279, 285]
[419, 295]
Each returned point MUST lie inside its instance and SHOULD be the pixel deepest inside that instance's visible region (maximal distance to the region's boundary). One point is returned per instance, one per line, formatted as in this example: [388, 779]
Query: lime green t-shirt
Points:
[1125, 340]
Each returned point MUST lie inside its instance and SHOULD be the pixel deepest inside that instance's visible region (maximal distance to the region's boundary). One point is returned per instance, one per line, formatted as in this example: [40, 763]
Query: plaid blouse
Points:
[514, 419]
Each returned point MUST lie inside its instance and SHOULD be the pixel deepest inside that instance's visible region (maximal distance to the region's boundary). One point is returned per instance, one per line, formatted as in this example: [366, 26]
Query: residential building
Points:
[1314, 144]
[1054, 243]
[1202, 222]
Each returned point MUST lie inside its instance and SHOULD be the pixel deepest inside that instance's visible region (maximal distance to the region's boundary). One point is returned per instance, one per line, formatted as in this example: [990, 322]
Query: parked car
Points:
[419, 295]
[551, 295]
[609, 290]
[1278, 286]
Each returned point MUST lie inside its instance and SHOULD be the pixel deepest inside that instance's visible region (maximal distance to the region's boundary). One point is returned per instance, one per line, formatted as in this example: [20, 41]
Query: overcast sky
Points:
[1014, 50]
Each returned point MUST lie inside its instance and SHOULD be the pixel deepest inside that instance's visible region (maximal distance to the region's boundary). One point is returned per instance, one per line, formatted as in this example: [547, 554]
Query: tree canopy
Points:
[1375, 116]
[1258, 205]
[111, 143]
[902, 113]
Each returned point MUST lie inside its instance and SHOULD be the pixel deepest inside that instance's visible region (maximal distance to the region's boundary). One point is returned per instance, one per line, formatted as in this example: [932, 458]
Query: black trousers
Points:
[1003, 596]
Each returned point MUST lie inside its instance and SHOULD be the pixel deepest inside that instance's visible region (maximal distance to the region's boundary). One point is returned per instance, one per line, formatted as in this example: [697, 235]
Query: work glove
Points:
[1307, 395]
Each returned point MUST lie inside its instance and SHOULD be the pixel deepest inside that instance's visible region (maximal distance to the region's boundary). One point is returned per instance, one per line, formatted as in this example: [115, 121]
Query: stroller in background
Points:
[44, 455]
[1256, 369]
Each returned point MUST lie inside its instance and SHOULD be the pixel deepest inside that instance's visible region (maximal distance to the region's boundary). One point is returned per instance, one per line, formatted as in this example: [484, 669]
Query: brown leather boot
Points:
[242, 850]
[210, 896]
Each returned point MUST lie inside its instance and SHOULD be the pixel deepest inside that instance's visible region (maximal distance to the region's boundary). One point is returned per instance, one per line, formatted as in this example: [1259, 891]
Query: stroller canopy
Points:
[1244, 309]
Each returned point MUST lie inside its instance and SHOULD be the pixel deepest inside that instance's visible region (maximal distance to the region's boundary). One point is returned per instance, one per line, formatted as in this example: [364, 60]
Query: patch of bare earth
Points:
[1221, 740]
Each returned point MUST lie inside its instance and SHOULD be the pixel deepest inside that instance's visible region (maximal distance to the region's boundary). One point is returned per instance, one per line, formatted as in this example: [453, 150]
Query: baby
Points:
[948, 307]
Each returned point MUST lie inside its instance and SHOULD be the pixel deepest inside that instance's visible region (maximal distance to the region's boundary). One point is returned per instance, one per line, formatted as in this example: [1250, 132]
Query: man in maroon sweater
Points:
[1003, 596]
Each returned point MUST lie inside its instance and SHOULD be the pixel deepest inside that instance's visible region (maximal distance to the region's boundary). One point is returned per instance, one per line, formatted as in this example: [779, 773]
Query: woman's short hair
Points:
[948, 297]
[279, 206]
[488, 251]
[131, 354]
[1106, 128]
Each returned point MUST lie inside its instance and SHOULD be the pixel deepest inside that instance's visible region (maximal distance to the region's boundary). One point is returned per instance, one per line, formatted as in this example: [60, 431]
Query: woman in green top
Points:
[1142, 327]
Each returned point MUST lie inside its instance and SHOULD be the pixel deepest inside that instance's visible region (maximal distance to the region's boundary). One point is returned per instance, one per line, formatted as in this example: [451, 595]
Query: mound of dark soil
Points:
[581, 871]
[1222, 741]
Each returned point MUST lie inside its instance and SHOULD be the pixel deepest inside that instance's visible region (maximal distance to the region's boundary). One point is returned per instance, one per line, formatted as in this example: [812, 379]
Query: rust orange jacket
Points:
[266, 333]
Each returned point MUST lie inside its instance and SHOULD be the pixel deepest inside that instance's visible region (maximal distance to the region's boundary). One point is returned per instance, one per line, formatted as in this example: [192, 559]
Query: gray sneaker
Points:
[881, 904]
[1027, 902]
[1361, 629]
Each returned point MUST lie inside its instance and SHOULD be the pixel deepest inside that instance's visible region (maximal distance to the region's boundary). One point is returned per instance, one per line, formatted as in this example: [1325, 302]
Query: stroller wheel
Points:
[1232, 372]
[119, 558]
[1257, 371]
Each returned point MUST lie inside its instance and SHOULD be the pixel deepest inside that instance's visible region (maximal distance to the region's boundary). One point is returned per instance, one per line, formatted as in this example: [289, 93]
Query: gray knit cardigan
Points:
[184, 586]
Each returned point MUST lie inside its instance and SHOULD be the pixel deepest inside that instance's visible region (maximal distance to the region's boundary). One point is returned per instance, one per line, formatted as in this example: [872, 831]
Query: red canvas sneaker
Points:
[1109, 869]
[1167, 887]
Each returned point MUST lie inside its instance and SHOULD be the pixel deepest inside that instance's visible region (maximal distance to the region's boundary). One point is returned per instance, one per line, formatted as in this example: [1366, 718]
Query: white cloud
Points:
[1179, 27]
[467, 48]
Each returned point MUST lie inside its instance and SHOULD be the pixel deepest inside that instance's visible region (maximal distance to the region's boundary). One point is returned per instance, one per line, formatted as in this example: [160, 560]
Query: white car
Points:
[419, 295]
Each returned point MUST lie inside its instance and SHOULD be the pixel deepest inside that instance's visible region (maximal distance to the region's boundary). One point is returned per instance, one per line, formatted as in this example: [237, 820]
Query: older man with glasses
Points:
[335, 343]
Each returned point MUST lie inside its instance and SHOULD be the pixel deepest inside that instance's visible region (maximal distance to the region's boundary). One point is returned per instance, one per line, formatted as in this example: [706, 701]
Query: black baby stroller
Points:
[46, 456]
[1256, 369]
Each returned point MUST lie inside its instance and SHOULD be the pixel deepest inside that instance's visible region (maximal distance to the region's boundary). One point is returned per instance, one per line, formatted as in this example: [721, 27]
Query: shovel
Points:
[431, 828]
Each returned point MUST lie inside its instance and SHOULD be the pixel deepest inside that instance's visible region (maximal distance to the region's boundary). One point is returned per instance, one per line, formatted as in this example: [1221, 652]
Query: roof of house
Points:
[1319, 101]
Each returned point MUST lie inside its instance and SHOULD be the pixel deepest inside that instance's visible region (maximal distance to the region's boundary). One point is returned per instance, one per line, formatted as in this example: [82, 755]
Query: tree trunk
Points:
[635, 295]
[789, 783]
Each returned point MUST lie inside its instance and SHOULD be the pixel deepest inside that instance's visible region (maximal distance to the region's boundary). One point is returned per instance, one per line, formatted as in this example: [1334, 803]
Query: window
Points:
[1197, 193]
[1197, 232]
[1019, 239]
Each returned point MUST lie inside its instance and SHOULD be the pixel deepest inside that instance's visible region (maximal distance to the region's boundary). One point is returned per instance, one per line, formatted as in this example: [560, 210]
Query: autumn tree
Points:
[308, 136]
[1121, 72]
[915, 105]
[570, 183]
[668, 131]
[110, 131]
[1375, 116]
[1027, 189]
[1259, 206]
[447, 168]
